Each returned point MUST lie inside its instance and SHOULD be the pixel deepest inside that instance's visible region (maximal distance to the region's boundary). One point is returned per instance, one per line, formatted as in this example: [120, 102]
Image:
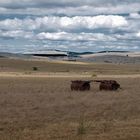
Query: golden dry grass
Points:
[26, 66]
[44, 108]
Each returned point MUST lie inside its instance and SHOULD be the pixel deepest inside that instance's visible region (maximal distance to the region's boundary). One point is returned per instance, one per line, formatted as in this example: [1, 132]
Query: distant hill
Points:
[113, 57]
[13, 55]
[102, 56]
[57, 53]
[113, 52]
[78, 54]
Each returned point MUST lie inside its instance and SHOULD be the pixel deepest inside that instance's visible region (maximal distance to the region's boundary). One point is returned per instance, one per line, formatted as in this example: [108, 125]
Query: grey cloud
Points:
[83, 10]
[16, 4]
[70, 24]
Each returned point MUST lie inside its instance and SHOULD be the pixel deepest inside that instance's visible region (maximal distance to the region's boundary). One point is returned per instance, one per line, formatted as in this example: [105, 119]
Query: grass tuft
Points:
[81, 128]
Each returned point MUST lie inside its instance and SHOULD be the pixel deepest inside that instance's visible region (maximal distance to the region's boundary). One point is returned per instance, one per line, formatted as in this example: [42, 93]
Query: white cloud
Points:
[16, 34]
[118, 47]
[64, 23]
[86, 22]
[75, 36]
[135, 15]
[127, 36]
[10, 24]
[71, 23]
[138, 34]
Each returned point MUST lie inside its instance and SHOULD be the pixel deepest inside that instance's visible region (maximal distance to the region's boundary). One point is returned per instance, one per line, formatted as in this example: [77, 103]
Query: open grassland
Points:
[27, 67]
[44, 108]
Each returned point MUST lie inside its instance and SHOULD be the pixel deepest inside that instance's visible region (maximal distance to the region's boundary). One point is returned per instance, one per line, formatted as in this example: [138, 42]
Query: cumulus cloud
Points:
[16, 34]
[127, 36]
[135, 15]
[75, 36]
[9, 24]
[65, 23]
[70, 24]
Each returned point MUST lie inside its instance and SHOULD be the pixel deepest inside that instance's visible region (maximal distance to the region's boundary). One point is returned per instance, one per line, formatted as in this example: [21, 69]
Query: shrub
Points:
[35, 68]
[94, 75]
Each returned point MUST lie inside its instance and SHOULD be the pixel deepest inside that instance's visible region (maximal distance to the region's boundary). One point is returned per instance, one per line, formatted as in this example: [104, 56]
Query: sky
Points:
[70, 25]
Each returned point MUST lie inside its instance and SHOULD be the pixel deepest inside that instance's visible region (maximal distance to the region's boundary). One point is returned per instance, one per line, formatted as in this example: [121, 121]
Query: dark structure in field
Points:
[108, 84]
[79, 85]
[50, 55]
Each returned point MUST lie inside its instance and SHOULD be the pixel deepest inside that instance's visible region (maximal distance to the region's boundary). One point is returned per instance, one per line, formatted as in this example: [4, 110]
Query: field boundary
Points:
[67, 75]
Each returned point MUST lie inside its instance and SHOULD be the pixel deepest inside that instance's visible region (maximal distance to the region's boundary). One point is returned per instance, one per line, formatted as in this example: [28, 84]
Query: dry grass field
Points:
[26, 66]
[44, 108]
